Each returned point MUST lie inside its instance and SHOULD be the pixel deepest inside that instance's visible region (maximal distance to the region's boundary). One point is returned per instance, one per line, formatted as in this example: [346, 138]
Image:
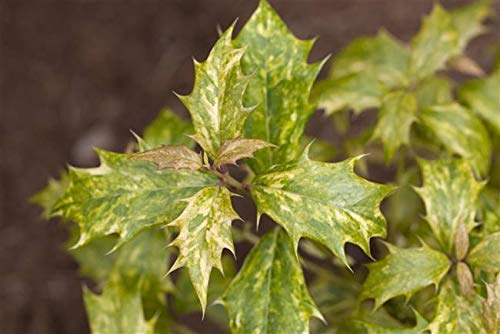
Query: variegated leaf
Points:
[491, 306]
[280, 85]
[269, 294]
[483, 98]
[118, 309]
[124, 196]
[404, 272]
[460, 132]
[396, 115]
[434, 44]
[176, 157]
[468, 21]
[455, 313]
[382, 56]
[216, 102]
[434, 90]
[167, 129]
[372, 328]
[326, 202]
[204, 232]
[234, 150]
[357, 91]
[450, 194]
[47, 197]
[486, 254]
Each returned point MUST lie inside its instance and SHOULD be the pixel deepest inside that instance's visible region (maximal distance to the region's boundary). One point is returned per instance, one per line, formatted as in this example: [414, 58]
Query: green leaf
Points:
[204, 232]
[434, 44]
[382, 56]
[395, 118]
[234, 150]
[124, 196]
[216, 102]
[434, 90]
[176, 157]
[372, 328]
[280, 85]
[118, 309]
[404, 272]
[47, 197]
[482, 98]
[468, 21]
[486, 255]
[358, 91]
[460, 132]
[320, 149]
[167, 129]
[326, 202]
[455, 313]
[269, 294]
[450, 194]
[93, 258]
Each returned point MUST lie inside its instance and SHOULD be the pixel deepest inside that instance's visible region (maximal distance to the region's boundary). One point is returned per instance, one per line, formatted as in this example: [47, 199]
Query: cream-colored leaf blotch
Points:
[176, 157]
[234, 150]
[204, 232]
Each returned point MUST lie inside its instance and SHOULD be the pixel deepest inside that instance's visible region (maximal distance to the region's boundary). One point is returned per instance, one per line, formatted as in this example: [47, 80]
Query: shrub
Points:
[250, 103]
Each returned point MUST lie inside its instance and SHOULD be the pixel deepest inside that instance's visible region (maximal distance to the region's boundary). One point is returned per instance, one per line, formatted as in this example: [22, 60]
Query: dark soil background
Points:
[78, 74]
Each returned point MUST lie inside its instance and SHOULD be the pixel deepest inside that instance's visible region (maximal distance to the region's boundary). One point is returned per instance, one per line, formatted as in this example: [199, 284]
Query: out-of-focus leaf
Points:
[483, 98]
[118, 309]
[204, 232]
[460, 132]
[124, 196]
[358, 91]
[468, 21]
[372, 328]
[404, 272]
[216, 102]
[167, 156]
[491, 306]
[167, 129]
[320, 150]
[489, 207]
[326, 202]
[280, 85]
[47, 197]
[396, 115]
[435, 43]
[455, 313]
[434, 90]
[450, 194]
[486, 255]
[236, 149]
[382, 56]
[269, 294]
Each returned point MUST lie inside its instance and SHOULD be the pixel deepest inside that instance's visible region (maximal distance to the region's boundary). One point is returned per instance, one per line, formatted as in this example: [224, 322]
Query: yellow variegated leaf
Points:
[124, 196]
[486, 254]
[460, 132]
[396, 115]
[457, 314]
[326, 202]
[269, 294]
[216, 102]
[204, 232]
[404, 272]
[450, 194]
[280, 85]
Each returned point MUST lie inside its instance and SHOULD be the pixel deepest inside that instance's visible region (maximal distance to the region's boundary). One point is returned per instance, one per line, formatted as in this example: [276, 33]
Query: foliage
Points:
[250, 103]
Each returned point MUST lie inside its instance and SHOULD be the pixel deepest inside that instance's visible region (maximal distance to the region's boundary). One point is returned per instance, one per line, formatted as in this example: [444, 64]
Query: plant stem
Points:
[229, 180]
